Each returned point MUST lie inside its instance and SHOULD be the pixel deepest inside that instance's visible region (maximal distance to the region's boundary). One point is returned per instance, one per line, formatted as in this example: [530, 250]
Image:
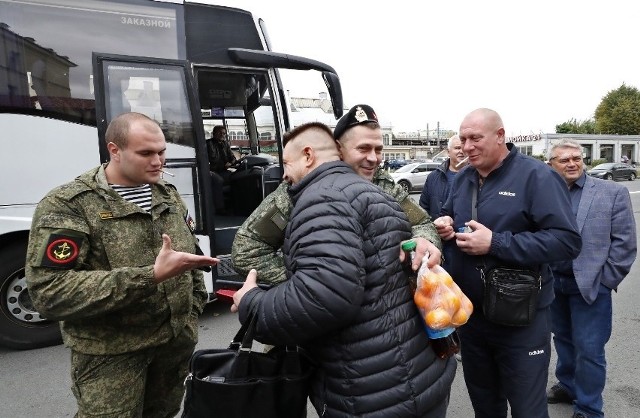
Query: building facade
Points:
[596, 148]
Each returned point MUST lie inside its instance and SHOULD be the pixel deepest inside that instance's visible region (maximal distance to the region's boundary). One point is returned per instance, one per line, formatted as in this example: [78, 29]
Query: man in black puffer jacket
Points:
[347, 300]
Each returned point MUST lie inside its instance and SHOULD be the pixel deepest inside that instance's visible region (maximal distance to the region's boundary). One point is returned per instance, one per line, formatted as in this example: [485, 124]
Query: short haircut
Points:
[216, 129]
[450, 142]
[565, 143]
[118, 129]
[292, 134]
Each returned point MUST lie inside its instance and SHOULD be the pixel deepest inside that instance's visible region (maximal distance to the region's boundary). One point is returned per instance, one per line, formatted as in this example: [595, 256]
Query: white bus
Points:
[67, 67]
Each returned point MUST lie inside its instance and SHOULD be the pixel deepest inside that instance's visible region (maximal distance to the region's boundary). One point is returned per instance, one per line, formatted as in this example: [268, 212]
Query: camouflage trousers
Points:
[147, 383]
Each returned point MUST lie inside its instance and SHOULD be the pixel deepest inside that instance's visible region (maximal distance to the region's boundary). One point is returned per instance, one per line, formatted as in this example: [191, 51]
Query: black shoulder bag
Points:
[238, 383]
[510, 294]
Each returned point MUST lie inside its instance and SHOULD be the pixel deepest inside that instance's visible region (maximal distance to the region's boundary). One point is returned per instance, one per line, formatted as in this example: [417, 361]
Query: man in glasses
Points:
[581, 311]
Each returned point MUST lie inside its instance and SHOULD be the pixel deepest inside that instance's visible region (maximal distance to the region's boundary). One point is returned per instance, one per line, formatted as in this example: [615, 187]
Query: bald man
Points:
[346, 299]
[523, 219]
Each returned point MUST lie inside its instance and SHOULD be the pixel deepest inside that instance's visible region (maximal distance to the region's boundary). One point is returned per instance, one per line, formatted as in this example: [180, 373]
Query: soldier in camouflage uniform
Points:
[121, 279]
[359, 139]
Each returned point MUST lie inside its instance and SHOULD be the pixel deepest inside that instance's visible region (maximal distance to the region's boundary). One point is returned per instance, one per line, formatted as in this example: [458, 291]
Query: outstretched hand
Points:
[249, 283]
[170, 263]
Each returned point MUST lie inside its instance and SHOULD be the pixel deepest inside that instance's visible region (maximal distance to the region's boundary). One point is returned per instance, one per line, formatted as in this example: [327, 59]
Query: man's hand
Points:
[423, 247]
[249, 283]
[170, 263]
[444, 227]
[477, 242]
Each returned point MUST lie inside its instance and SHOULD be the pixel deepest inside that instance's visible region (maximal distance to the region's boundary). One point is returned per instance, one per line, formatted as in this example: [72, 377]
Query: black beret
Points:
[358, 114]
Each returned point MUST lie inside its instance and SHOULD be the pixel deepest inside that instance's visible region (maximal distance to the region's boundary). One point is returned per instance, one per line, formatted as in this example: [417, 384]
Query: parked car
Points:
[395, 164]
[412, 176]
[613, 171]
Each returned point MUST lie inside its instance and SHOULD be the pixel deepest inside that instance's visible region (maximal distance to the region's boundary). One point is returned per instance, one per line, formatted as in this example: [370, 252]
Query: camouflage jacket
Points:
[90, 265]
[258, 241]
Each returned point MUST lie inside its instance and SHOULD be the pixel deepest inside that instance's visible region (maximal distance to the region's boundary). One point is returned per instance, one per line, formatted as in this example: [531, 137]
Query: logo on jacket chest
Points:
[507, 193]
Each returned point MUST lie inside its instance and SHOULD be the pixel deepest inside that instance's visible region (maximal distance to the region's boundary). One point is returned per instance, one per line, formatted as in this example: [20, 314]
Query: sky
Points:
[420, 63]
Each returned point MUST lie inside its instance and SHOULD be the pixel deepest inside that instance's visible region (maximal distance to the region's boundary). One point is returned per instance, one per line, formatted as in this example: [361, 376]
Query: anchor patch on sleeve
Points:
[61, 251]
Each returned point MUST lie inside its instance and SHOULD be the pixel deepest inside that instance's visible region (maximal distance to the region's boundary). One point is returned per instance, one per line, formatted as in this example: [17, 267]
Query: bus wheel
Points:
[21, 326]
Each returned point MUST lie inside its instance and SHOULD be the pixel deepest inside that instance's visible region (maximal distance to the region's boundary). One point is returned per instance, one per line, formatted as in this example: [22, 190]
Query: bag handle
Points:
[244, 336]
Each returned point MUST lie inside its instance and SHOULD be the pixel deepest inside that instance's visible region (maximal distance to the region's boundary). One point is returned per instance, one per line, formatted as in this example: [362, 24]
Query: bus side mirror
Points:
[332, 81]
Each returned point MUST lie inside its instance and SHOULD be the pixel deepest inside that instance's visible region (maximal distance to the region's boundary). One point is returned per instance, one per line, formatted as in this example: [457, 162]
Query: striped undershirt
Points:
[140, 195]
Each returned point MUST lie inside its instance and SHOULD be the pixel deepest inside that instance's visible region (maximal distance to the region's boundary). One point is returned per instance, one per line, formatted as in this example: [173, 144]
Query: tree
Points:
[572, 126]
[619, 112]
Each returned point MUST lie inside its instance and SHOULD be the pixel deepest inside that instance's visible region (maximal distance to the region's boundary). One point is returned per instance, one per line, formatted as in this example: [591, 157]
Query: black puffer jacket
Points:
[348, 302]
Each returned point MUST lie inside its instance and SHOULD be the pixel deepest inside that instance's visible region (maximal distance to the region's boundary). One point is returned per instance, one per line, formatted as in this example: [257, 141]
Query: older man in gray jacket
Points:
[581, 311]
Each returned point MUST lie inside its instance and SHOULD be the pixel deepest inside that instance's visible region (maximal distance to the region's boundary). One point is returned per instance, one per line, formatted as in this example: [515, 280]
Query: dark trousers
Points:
[580, 333]
[218, 180]
[507, 364]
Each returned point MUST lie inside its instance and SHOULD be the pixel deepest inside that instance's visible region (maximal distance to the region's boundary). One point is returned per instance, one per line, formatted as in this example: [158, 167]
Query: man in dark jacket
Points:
[524, 220]
[436, 189]
[219, 152]
[346, 299]
[438, 185]
[220, 159]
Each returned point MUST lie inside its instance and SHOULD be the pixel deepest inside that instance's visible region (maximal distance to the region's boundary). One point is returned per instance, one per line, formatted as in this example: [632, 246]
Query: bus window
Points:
[155, 91]
[50, 70]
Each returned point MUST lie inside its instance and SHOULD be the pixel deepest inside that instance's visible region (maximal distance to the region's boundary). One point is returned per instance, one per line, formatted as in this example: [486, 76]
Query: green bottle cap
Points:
[409, 246]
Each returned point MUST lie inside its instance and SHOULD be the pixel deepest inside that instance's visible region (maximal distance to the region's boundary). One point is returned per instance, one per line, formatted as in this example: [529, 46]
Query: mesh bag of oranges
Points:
[439, 299]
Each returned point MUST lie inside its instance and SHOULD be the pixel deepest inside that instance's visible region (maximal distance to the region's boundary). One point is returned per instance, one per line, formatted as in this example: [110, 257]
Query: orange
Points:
[460, 318]
[421, 300]
[456, 289]
[438, 319]
[465, 303]
[448, 300]
[428, 283]
[445, 278]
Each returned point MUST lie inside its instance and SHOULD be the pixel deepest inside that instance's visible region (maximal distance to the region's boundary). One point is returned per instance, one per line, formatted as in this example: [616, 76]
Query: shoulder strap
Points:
[474, 203]
[474, 215]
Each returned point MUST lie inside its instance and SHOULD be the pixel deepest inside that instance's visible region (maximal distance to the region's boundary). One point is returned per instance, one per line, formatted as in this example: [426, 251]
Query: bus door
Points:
[239, 100]
[163, 90]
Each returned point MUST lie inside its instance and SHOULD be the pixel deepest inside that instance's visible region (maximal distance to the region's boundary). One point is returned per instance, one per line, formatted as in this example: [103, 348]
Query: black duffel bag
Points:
[239, 383]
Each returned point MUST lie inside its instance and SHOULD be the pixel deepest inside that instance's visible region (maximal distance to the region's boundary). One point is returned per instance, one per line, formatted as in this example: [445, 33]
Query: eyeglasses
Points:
[575, 159]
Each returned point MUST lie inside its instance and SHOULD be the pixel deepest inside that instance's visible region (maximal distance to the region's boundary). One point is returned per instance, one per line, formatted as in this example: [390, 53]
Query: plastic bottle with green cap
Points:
[409, 248]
